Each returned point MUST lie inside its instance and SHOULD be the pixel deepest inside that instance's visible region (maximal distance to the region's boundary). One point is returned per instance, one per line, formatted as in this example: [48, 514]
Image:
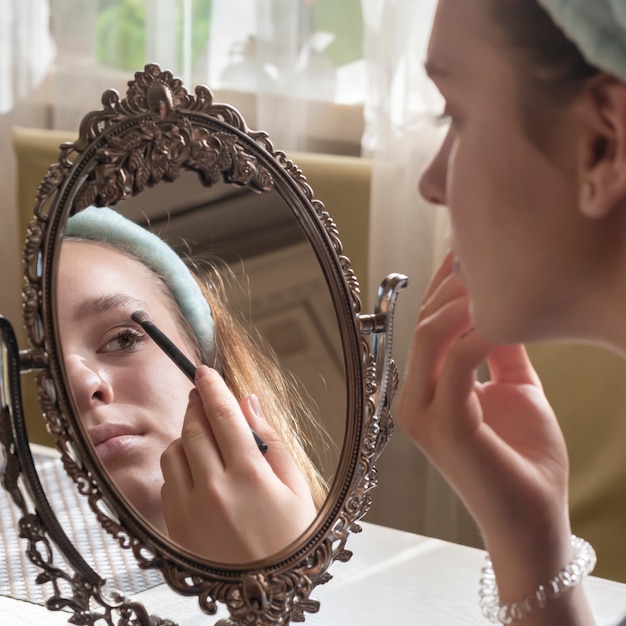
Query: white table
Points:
[394, 578]
[402, 579]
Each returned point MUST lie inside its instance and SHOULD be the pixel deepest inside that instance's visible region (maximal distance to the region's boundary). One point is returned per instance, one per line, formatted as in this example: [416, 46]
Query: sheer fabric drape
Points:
[407, 235]
[26, 50]
[272, 50]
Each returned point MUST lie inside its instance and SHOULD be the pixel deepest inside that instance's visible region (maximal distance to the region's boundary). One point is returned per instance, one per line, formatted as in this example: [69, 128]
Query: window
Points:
[312, 48]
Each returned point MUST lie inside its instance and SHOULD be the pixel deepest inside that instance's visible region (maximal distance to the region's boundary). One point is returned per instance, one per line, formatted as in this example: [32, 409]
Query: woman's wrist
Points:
[528, 557]
[554, 589]
[523, 557]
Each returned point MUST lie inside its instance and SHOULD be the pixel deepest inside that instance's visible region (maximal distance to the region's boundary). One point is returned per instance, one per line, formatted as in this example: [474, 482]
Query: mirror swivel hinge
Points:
[33, 360]
[373, 323]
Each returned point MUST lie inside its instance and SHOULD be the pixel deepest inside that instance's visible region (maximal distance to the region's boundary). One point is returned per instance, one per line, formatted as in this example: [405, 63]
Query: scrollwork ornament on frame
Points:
[150, 136]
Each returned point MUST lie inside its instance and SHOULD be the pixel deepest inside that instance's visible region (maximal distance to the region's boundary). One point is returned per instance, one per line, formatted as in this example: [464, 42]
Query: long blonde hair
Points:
[248, 365]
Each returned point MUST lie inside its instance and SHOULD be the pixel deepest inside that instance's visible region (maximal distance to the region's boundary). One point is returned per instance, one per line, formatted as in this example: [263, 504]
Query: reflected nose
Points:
[88, 383]
[432, 184]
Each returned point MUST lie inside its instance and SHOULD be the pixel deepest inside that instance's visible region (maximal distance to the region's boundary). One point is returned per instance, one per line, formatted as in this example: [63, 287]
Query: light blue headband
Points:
[597, 27]
[108, 226]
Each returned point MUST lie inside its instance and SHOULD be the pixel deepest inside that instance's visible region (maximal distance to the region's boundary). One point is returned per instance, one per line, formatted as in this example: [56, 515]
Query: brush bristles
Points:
[140, 317]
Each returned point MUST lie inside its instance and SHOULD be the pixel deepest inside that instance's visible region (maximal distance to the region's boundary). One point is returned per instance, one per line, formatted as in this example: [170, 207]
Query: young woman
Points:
[181, 452]
[533, 173]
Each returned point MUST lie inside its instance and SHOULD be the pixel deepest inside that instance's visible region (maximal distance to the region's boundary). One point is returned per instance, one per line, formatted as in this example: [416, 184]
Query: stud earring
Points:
[589, 190]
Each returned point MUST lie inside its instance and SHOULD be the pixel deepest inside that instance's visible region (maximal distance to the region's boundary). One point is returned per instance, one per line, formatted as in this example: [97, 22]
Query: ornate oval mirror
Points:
[156, 157]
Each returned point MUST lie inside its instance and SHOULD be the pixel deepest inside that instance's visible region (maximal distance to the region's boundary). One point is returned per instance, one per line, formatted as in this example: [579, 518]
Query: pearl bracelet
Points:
[582, 563]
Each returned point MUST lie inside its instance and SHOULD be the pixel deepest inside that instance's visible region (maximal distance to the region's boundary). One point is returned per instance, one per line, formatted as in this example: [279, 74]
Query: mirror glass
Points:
[270, 280]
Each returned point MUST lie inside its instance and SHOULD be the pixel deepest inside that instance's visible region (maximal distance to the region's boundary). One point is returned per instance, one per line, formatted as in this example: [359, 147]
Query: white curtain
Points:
[268, 58]
[274, 60]
[407, 236]
[24, 36]
[26, 51]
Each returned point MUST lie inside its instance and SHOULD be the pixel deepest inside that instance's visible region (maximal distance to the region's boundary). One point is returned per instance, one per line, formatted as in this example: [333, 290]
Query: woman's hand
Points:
[498, 443]
[503, 430]
[222, 498]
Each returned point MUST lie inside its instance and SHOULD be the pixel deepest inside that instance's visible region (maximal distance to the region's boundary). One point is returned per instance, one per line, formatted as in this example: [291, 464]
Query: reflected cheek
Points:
[158, 379]
[167, 404]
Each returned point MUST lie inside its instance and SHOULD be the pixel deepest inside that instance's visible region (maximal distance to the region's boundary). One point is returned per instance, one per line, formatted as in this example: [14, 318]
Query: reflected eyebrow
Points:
[97, 305]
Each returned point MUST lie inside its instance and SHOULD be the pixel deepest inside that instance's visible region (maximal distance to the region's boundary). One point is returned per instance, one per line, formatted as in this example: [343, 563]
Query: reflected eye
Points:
[126, 340]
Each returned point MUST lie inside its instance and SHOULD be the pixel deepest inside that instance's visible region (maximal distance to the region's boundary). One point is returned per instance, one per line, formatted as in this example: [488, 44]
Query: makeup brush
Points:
[177, 356]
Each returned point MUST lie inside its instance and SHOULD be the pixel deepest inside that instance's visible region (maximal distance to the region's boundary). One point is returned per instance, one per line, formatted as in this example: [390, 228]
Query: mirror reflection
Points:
[180, 453]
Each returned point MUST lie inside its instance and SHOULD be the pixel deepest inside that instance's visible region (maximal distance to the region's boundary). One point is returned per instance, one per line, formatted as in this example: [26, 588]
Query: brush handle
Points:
[169, 347]
[186, 366]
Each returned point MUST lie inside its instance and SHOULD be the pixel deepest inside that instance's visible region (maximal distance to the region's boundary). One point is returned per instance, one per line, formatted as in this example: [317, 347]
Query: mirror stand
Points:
[39, 526]
[380, 326]
[152, 135]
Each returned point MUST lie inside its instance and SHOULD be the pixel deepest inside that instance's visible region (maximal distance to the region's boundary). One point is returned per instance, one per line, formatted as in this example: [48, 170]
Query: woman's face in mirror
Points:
[131, 397]
[181, 454]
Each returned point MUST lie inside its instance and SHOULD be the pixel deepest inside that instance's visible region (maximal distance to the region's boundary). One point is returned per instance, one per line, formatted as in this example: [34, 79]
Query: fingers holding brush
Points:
[178, 357]
[214, 476]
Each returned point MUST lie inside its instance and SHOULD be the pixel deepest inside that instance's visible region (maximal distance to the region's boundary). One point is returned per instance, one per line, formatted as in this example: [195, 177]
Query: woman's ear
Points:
[602, 157]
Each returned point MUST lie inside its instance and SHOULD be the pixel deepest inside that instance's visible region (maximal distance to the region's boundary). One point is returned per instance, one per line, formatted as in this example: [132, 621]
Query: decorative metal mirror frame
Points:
[149, 136]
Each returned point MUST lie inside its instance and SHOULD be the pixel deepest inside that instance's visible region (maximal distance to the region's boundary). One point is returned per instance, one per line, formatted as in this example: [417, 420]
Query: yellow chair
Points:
[342, 183]
[35, 150]
[587, 389]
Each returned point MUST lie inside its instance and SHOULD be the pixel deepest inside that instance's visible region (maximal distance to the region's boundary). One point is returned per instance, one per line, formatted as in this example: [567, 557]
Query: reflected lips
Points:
[108, 438]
